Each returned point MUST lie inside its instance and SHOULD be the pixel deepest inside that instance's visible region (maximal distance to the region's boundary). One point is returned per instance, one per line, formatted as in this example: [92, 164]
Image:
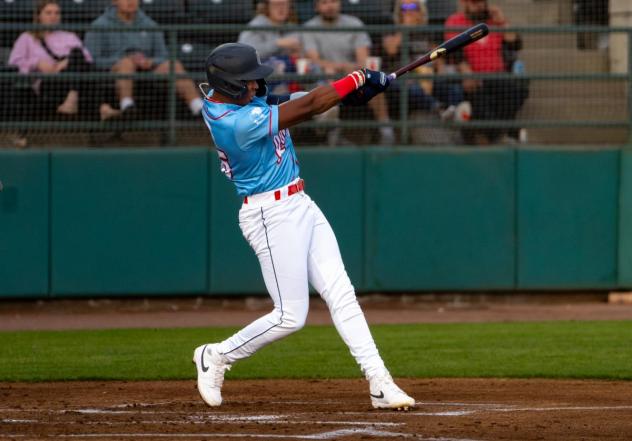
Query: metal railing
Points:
[171, 124]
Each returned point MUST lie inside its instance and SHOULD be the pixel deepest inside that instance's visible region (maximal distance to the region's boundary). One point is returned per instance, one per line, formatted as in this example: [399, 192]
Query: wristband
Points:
[348, 84]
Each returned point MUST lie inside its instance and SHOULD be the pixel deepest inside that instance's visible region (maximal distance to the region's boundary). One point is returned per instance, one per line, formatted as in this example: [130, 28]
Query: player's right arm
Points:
[304, 108]
[357, 88]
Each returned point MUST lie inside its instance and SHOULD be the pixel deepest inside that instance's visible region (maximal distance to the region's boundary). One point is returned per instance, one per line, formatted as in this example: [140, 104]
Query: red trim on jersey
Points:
[219, 117]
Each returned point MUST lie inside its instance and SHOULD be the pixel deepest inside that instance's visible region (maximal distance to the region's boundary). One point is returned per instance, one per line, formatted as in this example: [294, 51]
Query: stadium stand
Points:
[235, 12]
[579, 79]
[369, 11]
[82, 11]
[165, 11]
[14, 11]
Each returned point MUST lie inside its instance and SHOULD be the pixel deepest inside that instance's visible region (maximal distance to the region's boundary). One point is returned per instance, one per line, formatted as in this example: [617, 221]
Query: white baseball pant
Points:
[295, 244]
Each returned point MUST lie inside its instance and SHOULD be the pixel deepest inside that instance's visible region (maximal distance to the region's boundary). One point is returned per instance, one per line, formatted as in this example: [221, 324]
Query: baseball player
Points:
[289, 234]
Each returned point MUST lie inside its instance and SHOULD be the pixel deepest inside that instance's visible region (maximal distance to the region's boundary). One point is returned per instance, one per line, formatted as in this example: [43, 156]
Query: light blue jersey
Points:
[253, 153]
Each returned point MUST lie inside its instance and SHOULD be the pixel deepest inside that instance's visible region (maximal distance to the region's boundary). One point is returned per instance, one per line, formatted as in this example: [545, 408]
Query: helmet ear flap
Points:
[263, 87]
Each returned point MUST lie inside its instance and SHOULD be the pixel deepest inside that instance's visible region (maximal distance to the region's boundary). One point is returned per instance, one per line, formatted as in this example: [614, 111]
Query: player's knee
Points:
[124, 65]
[293, 319]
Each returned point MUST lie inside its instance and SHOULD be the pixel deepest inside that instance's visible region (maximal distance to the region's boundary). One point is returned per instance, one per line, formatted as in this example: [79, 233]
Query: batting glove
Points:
[374, 84]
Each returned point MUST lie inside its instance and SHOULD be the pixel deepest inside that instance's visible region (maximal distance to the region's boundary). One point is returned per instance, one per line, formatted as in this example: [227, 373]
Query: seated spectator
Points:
[591, 12]
[492, 99]
[135, 51]
[341, 52]
[439, 96]
[52, 52]
[278, 49]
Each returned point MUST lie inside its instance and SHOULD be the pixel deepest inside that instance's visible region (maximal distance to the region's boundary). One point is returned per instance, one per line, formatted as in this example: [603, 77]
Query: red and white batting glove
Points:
[348, 84]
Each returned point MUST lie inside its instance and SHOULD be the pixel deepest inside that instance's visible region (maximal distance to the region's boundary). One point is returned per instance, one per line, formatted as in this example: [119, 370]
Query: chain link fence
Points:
[566, 81]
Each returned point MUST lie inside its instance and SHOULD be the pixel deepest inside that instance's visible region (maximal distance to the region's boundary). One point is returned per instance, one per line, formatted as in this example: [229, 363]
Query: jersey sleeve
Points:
[256, 122]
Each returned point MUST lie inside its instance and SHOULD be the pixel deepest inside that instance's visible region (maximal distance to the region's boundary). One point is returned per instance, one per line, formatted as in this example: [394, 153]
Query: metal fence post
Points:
[629, 80]
[171, 105]
[403, 90]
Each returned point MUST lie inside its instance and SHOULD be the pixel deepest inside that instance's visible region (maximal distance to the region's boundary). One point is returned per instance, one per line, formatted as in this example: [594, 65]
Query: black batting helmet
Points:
[231, 65]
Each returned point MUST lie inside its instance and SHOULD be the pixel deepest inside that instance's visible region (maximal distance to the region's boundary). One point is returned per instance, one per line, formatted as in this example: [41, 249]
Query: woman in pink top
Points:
[55, 51]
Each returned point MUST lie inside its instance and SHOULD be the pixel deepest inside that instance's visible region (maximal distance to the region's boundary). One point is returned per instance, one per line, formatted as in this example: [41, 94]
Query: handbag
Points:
[76, 60]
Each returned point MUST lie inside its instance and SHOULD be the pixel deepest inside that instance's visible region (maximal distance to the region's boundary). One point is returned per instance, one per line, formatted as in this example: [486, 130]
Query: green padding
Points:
[233, 266]
[24, 239]
[440, 219]
[567, 218]
[625, 221]
[333, 179]
[129, 221]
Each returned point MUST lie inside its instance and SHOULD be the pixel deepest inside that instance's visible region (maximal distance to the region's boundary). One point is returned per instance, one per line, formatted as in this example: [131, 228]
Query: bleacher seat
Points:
[19, 11]
[193, 55]
[370, 11]
[304, 10]
[220, 11]
[164, 11]
[82, 11]
[216, 12]
[439, 10]
[14, 11]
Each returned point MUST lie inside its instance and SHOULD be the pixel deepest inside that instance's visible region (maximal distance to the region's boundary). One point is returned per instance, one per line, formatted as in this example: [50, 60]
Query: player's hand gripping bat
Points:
[463, 39]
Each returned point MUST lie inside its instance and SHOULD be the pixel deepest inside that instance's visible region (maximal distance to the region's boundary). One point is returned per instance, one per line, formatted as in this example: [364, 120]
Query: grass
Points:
[545, 349]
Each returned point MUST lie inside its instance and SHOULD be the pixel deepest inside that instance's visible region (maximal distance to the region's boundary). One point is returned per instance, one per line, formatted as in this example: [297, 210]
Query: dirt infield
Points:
[447, 409]
[239, 311]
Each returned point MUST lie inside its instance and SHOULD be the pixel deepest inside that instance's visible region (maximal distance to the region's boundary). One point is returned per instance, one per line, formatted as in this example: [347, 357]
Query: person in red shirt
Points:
[492, 99]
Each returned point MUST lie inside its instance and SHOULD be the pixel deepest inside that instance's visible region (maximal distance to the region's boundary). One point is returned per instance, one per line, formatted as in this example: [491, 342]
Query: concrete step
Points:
[532, 40]
[578, 136]
[530, 12]
[575, 109]
[556, 60]
[580, 89]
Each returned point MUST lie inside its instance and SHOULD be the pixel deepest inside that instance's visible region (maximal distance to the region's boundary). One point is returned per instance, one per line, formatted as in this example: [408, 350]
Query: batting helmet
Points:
[231, 65]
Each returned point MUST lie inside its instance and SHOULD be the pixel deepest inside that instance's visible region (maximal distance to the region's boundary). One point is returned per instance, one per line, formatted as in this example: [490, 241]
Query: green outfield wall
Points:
[89, 222]
[625, 220]
[24, 224]
[567, 218]
[128, 222]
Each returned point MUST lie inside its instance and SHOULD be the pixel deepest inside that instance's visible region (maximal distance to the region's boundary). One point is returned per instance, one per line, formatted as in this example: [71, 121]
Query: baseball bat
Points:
[453, 44]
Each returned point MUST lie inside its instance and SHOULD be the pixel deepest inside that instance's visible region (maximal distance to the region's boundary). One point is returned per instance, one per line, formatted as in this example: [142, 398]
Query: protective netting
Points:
[551, 72]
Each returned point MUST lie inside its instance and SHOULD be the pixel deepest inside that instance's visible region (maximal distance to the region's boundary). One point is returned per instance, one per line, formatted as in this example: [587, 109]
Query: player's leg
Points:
[379, 108]
[328, 276]
[125, 87]
[279, 236]
[184, 86]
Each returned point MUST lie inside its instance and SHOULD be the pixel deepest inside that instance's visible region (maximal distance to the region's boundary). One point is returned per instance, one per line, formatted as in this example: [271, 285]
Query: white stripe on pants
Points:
[295, 243]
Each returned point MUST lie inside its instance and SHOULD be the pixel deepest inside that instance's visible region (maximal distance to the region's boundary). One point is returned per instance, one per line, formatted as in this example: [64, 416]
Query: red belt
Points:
[291, 189]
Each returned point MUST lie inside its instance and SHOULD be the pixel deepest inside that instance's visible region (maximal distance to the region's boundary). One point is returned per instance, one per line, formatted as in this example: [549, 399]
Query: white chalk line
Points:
[335, 434]
[218, 416]
[200, 421]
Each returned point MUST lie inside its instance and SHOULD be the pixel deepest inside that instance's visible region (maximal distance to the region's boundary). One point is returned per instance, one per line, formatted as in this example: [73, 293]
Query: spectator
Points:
[135, 51]
[340, 52]
[438, 95]
[492, 99]
[52, 52]
[277, 49]
[591, 12]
